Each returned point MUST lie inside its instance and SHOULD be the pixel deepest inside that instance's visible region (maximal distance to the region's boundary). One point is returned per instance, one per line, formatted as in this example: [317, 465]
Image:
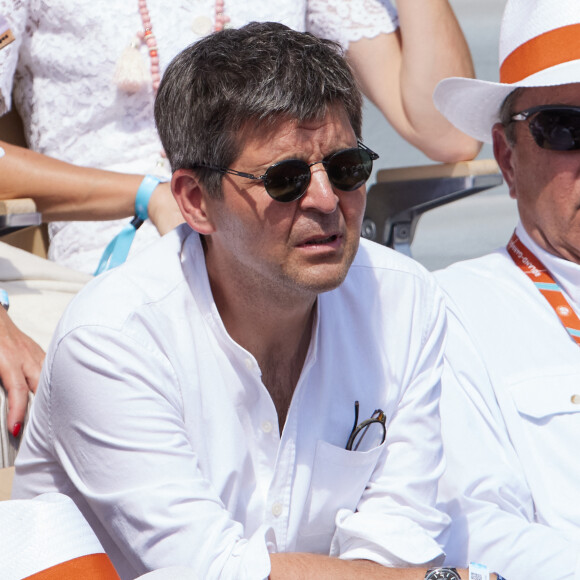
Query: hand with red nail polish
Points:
[20, 363]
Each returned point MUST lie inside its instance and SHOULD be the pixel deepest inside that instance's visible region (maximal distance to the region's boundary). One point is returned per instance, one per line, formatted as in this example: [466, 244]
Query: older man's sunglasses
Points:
[288, 180]
[555, 127]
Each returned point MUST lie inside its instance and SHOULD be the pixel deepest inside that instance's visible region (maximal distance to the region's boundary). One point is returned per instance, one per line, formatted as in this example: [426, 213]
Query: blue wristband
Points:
[143, 196]
[118, 249]
[4, 300]
[480, 572]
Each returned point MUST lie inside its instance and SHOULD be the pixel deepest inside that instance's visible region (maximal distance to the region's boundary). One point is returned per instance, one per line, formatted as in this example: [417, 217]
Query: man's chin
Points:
[322, 279]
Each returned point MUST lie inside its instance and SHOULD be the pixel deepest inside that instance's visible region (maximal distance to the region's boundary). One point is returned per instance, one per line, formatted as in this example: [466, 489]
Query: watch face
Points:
[442, 574]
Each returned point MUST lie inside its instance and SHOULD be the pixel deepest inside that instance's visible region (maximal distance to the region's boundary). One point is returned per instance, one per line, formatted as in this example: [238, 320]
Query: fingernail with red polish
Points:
[16, 429]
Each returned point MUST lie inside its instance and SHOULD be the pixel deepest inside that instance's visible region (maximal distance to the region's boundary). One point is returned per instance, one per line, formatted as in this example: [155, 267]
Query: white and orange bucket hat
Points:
[539, 46]
[47, 538]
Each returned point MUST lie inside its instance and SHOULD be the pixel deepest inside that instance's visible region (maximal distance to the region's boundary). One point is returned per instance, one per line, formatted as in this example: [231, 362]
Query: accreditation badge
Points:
[6, 36]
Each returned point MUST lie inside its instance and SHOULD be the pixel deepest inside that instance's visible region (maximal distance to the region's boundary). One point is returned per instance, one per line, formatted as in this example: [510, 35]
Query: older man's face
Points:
[545, 184]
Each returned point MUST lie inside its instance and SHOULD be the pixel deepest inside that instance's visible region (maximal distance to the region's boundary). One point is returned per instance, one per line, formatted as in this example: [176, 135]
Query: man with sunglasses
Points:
[198, 401]
[510, 405]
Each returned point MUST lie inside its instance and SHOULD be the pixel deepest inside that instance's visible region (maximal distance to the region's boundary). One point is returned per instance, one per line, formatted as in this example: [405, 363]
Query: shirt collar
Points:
[565, 272]
[195, 271]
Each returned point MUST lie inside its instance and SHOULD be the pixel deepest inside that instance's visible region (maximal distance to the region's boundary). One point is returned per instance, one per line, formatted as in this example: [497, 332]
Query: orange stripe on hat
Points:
[91, 567]
[544, 51]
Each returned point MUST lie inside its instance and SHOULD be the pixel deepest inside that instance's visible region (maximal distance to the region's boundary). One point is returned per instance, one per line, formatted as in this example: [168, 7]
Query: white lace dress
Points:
[61, 66]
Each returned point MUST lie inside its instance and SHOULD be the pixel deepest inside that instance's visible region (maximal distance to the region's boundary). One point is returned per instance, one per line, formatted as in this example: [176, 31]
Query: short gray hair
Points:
[506, 113]
[247, 78]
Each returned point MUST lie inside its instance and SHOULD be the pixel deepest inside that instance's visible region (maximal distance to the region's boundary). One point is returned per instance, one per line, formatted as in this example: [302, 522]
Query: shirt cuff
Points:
[250, 559]
[390, 541]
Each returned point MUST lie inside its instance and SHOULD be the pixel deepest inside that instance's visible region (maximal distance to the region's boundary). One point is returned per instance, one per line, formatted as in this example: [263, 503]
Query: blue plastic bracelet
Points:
[118, 249]
[143, 196]
[480, 572]
[4, 299]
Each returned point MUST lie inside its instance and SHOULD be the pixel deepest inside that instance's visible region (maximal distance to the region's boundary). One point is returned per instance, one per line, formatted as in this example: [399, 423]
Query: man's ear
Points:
[503, 153]
[191, 197]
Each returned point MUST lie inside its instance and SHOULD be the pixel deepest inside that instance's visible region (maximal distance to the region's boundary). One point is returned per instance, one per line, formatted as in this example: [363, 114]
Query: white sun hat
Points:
[47, 538]
[539, 46]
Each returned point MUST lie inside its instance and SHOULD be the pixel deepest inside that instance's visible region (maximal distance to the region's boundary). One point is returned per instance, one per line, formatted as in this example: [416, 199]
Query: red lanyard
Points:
[539, 275]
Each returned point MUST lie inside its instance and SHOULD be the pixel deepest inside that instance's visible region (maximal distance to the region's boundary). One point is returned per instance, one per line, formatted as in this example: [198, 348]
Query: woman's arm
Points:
[63, 191]
[398, 73]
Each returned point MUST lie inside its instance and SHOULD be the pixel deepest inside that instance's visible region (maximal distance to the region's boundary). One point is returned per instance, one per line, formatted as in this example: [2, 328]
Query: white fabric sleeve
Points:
[396, 521]
[116, 420]
[483, 488]
[345, 21]
[15, 12]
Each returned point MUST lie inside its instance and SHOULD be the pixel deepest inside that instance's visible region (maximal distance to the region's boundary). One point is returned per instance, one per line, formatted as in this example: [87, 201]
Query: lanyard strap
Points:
[539, 275]
[118, 248]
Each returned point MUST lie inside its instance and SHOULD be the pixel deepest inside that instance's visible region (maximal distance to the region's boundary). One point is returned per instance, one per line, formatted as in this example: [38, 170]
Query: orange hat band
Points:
[93, 566]
[540, 53]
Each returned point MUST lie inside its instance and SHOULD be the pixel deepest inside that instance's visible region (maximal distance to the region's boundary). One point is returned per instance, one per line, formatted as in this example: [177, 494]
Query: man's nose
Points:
[320, 196]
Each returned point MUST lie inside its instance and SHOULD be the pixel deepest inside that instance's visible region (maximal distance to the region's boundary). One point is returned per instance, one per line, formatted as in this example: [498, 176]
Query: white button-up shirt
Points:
[159, 427]
[511, 419]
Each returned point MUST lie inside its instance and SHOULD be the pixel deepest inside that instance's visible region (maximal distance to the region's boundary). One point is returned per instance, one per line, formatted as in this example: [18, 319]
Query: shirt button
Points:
[277, 509]
[575, 399]
[249, 364]
[267, 427]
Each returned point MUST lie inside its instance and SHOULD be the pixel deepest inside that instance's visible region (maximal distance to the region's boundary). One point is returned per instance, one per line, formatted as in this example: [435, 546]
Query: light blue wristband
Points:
[480, 572]
[143, 196]
[4, 300]
[118, 249]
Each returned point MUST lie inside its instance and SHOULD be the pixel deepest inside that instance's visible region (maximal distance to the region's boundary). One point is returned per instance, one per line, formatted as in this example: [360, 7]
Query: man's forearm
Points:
[301, 566]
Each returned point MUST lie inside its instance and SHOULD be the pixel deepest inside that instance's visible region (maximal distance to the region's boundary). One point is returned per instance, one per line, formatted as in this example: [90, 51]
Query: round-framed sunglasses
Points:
[288, 180]
[555, 127]
[373, 431]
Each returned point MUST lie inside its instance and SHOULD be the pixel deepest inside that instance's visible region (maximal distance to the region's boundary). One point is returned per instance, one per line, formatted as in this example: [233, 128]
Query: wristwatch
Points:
[442, 574]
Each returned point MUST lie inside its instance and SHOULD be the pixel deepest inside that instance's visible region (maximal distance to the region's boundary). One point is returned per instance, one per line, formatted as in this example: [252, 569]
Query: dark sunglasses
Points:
[555, 127]
[288, 180]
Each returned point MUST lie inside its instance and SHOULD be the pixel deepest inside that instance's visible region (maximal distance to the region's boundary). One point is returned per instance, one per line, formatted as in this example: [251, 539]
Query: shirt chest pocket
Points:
[339, 478]
[543, 398]
[544, 432]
